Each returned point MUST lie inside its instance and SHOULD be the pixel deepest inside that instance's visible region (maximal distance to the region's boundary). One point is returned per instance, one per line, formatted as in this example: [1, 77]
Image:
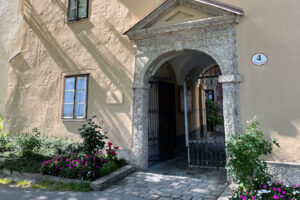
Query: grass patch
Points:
[5, 181]
[48, 185]
[23, 184]
[14, 162]
[59, 186]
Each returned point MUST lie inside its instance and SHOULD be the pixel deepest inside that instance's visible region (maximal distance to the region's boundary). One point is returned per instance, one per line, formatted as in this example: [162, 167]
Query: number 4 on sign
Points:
[259, 59]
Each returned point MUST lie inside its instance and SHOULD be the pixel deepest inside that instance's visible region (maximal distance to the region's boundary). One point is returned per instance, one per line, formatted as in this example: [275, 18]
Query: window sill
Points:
[77, 20]
[73, 120]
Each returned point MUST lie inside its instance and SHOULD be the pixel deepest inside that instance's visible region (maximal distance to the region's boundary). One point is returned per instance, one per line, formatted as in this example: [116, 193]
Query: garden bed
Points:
[98, 184]
[33, 156]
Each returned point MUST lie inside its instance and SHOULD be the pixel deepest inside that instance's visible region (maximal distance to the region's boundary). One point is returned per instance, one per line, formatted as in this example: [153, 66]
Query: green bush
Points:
[93, 137]
[56, 145]
[4, 139]
[243, 154]
[27, 144]
[212, 112]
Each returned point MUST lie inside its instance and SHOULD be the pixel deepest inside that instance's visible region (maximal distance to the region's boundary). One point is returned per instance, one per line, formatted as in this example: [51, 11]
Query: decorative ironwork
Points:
[205, 137]
[162, 120]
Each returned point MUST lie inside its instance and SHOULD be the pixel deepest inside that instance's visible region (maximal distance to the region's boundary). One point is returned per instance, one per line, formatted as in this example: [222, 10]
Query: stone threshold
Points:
[97, 185]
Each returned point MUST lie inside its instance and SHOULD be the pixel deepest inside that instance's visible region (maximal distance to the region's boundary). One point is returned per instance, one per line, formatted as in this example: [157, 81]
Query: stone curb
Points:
[98, 184]
[227, 194]
[115, 176]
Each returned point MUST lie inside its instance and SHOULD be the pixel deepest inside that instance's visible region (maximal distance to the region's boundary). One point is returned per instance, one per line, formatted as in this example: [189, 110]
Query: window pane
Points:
[70, 83]
[72, 14]
[68, 111]
[80, 110]
[69, 97]
[81, 83]
[83, 3]
[73, 4]
[80, 97]
[82, 12]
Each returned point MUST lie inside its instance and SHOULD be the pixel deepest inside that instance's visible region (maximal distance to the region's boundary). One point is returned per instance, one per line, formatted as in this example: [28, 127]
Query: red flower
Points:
[116, 147]
[113, 153]
[109, 143]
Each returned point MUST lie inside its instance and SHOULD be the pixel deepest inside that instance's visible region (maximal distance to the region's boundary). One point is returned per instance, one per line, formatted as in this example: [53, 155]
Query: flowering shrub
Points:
[244, 156]
[270, 191]
[93, 136]
[83, 166]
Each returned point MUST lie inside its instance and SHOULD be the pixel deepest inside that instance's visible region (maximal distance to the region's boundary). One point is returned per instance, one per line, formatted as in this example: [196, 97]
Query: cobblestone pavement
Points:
[173, 180]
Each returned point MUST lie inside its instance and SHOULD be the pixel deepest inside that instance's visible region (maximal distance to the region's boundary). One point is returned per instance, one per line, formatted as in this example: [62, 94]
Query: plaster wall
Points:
[52, 48]
[10, 25]
[271, 92]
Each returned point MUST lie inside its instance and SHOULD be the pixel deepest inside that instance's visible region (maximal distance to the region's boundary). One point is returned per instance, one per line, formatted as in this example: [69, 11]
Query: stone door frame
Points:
[215, 37]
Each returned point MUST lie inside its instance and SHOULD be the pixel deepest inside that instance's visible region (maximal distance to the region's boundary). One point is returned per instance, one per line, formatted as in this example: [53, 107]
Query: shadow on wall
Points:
[3, 77]
[14, 103]
[114, 72]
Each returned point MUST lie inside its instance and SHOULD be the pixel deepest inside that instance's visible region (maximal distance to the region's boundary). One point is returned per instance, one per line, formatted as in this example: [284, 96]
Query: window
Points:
[75, 97]
[209, 94]
[78, 9]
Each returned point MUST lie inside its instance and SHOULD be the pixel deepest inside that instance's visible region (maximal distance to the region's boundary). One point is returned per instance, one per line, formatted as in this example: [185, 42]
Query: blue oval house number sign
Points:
[259, 59]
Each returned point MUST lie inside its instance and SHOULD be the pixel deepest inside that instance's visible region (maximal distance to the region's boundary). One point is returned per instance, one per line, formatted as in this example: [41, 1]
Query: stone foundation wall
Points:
[287, 172]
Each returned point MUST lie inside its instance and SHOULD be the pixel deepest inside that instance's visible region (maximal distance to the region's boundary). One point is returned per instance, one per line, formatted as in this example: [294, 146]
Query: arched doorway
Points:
[213, 35]
[166, 117]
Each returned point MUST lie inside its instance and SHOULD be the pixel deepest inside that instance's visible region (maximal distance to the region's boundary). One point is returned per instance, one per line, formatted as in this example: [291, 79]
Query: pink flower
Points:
[265, 186]
[67, 160]
[279, 189]
[275, 197]
[283, 192]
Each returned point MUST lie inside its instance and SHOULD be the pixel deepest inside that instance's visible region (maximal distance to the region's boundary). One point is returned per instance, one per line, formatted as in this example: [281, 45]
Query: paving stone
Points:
[170, 183]
[186, 198]
[165, 198]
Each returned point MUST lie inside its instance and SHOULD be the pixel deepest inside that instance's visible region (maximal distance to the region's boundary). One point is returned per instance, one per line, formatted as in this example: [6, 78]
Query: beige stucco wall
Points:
[271, 92]
[10, 24]
[52, 48]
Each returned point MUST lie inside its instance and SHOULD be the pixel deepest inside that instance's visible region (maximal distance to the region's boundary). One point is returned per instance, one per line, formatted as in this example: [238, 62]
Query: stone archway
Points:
[213, 36]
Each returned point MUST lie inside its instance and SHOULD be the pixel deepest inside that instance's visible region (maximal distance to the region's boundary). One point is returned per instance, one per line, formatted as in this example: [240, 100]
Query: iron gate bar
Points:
[186, 121]
[218, 163]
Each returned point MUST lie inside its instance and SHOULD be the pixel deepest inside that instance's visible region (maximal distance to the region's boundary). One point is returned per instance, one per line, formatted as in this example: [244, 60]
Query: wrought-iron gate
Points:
[162, 120]
[203, 107]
